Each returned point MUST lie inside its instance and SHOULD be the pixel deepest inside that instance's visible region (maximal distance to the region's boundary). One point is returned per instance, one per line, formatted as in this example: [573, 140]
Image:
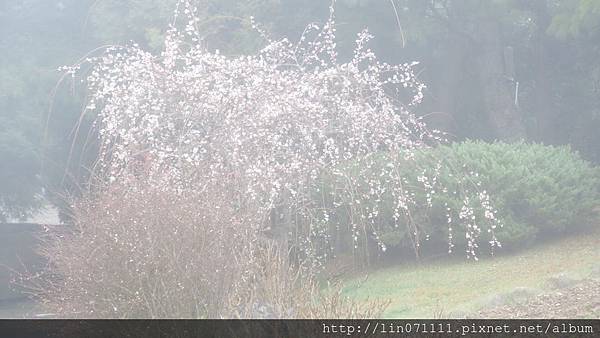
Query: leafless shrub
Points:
[138, 252]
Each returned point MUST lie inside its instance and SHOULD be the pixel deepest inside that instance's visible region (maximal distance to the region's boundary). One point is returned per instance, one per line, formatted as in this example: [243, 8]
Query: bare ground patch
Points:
[578, 301]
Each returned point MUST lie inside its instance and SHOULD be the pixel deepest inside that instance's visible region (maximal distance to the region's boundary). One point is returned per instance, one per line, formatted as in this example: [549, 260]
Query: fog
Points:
[259, 159]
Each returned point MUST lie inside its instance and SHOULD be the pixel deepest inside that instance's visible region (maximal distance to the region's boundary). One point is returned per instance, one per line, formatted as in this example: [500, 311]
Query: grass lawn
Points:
[460, 286]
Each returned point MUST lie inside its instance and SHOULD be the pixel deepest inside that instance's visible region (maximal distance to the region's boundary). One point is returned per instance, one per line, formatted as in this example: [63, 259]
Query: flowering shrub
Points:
[210, 166]
[448, 203]
[269, 126]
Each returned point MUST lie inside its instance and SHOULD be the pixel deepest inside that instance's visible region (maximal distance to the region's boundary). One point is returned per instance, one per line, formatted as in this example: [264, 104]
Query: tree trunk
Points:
[545, 113]
[498, 89]
[443, 116]
[281, 224]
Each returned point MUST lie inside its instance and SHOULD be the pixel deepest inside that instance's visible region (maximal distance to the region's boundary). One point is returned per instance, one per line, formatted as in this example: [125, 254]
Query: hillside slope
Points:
[474, 289]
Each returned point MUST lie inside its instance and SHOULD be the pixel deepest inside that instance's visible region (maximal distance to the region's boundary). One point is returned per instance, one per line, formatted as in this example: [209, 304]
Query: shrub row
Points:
[538, 191]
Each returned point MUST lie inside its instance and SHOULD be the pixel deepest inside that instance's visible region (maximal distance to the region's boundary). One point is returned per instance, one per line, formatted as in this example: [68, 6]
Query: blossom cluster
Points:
[268, 126]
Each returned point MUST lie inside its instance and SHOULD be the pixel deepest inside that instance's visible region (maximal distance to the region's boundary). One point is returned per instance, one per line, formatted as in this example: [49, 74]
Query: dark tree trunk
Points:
[444, 110]
[544, 110]
[498, 89]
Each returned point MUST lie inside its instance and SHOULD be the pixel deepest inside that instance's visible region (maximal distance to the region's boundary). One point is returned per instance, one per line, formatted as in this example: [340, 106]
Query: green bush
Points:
[537, 191]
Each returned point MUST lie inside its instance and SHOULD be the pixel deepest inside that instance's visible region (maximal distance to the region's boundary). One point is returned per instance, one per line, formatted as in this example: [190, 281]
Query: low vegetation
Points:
[537, 192]
[137, 252]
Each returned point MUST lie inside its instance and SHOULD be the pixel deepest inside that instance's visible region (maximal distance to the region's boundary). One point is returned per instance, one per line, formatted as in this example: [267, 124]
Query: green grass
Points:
[461, 286]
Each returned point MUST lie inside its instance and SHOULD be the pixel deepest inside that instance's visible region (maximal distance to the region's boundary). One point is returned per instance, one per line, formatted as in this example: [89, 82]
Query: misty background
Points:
[472, 56]
[501, 70]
